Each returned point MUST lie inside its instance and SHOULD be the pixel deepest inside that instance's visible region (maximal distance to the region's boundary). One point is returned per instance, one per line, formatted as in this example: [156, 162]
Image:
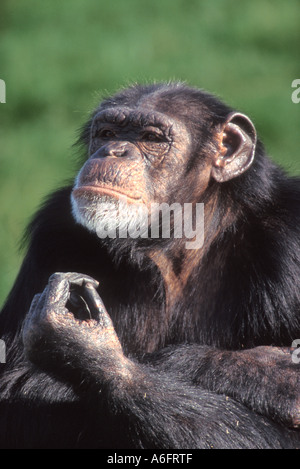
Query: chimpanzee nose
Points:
[116, 149]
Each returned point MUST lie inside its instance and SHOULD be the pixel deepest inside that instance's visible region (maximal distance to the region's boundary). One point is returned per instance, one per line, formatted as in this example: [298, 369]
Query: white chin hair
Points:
[110, 217]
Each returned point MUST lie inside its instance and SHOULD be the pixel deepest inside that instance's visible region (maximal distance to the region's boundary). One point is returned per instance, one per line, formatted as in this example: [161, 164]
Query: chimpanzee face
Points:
[140, 155]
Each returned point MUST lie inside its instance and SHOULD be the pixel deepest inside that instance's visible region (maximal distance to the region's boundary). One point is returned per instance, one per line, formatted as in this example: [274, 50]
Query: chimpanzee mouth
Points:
[107, 191]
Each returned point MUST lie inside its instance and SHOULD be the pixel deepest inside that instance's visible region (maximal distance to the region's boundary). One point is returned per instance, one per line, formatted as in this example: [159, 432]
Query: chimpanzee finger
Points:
[35, 303]
[60, 285]
[36, 306]
[79, 279]
[33, 314]
[95, 303]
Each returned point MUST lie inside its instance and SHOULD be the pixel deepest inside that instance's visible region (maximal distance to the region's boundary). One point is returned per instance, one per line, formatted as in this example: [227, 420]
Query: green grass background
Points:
[58, 57]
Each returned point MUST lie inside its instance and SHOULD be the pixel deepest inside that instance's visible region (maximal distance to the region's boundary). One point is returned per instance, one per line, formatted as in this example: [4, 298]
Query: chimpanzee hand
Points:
[68, 327]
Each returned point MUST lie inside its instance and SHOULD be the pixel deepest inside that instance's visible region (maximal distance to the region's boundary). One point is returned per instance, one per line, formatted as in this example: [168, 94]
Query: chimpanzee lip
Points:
[105, 190]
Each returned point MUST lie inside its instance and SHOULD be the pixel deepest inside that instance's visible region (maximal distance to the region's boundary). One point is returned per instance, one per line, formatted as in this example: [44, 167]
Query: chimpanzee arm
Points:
[265, 379]
[87, 353]
[161, 409]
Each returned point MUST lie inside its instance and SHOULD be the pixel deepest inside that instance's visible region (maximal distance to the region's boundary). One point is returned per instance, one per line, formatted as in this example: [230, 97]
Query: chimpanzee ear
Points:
[237, 147]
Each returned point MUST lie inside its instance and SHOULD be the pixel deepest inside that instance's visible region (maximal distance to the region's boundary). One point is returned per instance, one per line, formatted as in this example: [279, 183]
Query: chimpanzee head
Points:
[157, 144]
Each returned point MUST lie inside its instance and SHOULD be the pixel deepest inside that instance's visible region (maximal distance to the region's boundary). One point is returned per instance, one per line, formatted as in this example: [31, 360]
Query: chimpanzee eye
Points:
[106, 133]
[151, 137]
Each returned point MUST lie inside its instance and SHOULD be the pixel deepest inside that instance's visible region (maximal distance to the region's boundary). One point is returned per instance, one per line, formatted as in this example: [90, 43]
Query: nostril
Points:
[120, 153]
[117, 150]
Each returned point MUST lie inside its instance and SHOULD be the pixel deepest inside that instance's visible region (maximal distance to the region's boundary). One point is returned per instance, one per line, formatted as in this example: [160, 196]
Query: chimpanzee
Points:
[151, 340]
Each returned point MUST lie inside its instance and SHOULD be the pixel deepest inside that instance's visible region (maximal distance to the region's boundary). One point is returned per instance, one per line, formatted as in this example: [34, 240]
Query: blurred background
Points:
[58, 58]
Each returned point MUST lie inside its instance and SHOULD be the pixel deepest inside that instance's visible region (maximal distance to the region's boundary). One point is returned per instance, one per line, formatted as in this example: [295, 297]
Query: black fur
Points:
[245, 293]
